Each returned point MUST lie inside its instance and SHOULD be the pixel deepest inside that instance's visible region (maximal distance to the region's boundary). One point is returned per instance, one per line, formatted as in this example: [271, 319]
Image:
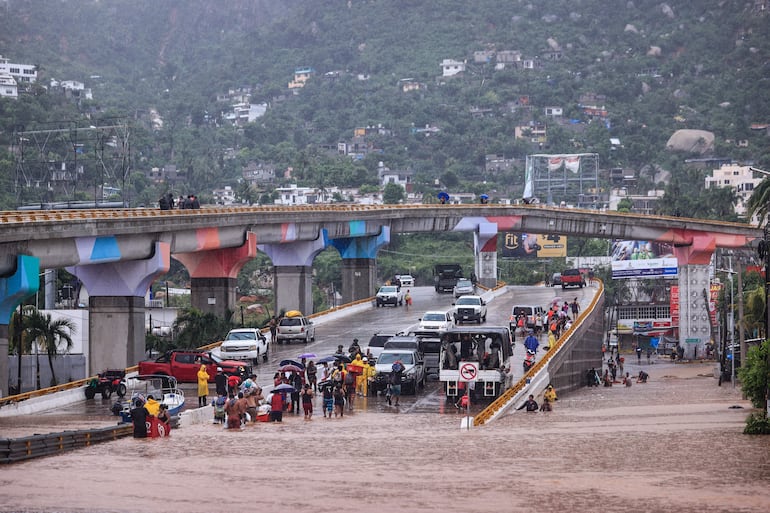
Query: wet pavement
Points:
[674, 444]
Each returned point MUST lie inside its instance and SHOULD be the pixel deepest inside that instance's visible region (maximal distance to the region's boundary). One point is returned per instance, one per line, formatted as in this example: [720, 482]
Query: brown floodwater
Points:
[673, 444]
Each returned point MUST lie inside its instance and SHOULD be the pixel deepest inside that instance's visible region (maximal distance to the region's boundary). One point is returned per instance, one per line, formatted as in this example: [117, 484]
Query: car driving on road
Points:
[470, 309]
[295, 327]
[434, 322]
[390, 295]
[464, 287]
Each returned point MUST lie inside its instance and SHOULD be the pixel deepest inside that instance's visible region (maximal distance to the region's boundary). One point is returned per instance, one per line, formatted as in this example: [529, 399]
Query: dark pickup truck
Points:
[445, 276]
[184, 366]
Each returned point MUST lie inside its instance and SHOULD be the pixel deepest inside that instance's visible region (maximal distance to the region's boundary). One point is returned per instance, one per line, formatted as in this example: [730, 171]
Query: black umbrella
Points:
[291, 362]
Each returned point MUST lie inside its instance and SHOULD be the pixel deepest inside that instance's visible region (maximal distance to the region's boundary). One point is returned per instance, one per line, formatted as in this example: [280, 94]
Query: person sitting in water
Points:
[642, 378]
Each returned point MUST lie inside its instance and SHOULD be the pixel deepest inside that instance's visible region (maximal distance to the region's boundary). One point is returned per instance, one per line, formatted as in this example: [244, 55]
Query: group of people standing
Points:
[167, 202]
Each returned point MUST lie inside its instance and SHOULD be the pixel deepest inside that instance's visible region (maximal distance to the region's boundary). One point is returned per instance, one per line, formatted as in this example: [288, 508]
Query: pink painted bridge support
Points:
[214, 275]
[116, 323]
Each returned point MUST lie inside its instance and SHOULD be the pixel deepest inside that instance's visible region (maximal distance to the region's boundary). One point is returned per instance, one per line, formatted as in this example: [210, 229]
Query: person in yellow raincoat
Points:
[356, 367]
[367, 376]
[550, 394]
[551, 340]
[203, 386]
[152, 406]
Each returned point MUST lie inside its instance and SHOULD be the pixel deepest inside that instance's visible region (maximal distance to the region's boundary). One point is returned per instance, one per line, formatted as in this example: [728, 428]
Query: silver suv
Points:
[295, 328]
[412, 377]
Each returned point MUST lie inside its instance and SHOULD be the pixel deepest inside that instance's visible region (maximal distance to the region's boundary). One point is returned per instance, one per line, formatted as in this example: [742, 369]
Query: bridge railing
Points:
[509, 396]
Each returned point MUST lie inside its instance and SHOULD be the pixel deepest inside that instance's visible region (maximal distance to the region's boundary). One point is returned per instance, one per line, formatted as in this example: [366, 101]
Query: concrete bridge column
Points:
[293, 273]
[214, 275]
[359, 264]
[13, 290]
[693, 261]
[485, 250]
[116, 326]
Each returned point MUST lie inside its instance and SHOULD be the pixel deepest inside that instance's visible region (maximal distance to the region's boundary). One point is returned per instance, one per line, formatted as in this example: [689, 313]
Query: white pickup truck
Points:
[470, 309]
[390, 295]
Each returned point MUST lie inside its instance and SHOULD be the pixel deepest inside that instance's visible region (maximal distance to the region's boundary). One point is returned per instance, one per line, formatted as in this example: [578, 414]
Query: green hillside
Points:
[654, 67]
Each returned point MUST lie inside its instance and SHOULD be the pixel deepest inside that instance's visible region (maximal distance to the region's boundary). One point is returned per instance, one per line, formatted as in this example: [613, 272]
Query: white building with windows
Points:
[741, 178]
[23, 73]
[451, 67]
[8, 86]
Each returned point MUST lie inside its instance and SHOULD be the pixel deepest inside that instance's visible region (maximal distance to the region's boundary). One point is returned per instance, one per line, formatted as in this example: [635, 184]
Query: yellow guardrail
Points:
[34, 216]
[508, 395]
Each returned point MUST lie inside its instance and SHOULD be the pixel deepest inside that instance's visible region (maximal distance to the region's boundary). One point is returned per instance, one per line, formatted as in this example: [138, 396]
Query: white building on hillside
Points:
[8, 87]
[23, 73]
[741, 178]
[451, 67]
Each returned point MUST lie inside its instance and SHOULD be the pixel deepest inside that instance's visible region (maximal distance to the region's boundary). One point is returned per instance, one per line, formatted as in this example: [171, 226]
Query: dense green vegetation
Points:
[693, 65]
[655, 67]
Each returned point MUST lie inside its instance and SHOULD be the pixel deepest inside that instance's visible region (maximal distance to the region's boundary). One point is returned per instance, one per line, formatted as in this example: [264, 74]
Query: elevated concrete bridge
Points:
[117, 254]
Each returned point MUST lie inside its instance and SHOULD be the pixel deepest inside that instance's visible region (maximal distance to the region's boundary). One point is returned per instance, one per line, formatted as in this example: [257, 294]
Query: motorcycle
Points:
[529, 360]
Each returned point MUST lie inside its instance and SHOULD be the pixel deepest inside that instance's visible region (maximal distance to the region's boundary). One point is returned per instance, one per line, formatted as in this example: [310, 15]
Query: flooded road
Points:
[673, 444]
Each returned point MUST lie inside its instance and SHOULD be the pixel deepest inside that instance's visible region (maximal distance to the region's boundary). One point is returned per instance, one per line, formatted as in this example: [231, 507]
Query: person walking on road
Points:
[531, 342]
[203, 386]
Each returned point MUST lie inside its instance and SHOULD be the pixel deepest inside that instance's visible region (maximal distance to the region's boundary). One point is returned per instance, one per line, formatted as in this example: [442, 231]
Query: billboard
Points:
[530, 245]
[643, 259]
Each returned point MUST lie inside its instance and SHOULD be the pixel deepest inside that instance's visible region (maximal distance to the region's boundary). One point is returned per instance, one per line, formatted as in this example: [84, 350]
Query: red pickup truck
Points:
[185, 364]
[572, 278]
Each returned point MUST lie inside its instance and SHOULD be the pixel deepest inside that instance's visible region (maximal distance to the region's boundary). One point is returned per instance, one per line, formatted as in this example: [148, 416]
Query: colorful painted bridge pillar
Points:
[485, 249]
[293, 273]
[693, 256]
[116, 289]
[214, 275]
[13, 290]
[359, 264]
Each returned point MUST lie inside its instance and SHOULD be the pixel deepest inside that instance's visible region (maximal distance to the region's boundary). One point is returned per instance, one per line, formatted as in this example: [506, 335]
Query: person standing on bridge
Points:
[531, 342]
[575, 308]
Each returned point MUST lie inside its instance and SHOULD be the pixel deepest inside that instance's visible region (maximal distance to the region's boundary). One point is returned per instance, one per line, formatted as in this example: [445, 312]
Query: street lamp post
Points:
[731, 320]
[763, 250]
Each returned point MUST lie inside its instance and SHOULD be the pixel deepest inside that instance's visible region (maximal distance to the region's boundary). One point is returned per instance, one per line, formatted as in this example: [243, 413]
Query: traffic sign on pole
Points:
[469, 371]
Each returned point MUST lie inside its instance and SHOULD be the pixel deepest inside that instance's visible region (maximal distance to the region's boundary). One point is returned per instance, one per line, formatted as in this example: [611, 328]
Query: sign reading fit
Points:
[643, 259]
[530, 245]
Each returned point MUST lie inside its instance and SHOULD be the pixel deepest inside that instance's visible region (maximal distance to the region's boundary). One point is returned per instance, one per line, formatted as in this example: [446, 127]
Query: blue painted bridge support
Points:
[13, 290]
[359, 264]
[116, 321]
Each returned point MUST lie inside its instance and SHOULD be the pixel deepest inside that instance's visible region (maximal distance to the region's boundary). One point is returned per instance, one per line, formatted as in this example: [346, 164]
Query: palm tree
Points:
[19, 343]
[195, 328]
[759, 202]
[49, 333]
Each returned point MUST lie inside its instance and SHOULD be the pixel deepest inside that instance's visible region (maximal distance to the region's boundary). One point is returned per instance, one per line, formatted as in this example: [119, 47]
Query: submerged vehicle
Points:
[487, 349]
[160, 388]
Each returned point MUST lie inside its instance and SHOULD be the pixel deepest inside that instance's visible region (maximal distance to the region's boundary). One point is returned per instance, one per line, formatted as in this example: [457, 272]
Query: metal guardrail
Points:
[504, 398]
[13, 450]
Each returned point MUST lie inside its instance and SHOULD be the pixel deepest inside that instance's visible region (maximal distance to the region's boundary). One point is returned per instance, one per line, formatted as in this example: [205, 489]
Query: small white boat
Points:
[160, 388]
